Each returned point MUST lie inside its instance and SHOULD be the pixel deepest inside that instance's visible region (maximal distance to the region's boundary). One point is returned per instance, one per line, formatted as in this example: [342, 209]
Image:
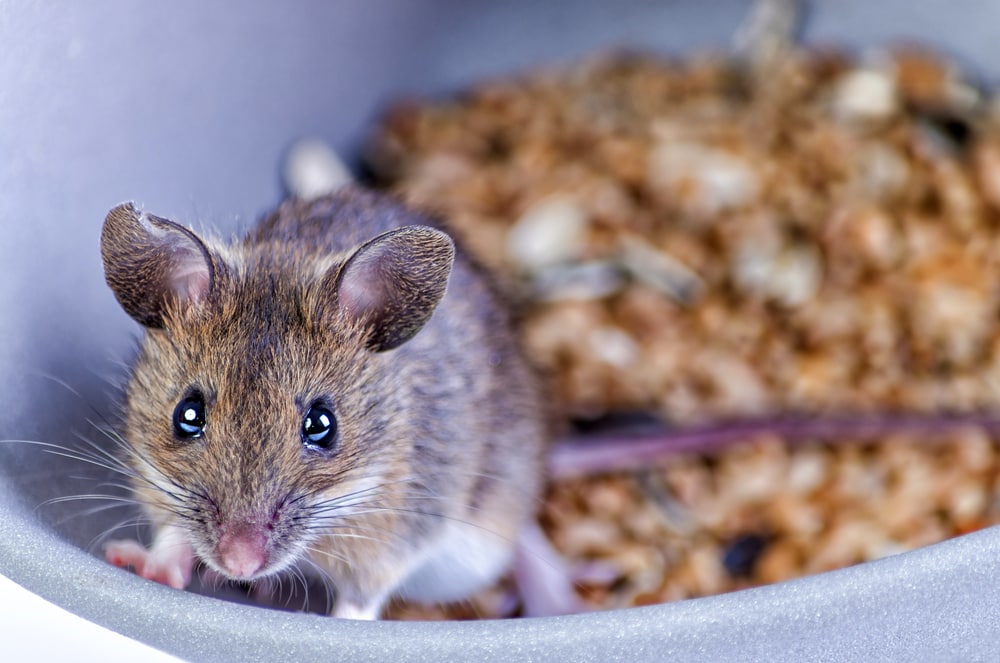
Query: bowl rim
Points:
[884, 608]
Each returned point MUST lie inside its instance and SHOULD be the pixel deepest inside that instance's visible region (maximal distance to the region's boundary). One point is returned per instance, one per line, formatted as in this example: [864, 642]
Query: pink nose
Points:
[242, 554]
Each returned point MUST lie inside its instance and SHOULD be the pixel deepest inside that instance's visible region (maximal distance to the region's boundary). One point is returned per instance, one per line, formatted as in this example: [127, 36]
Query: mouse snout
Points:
[242, 552]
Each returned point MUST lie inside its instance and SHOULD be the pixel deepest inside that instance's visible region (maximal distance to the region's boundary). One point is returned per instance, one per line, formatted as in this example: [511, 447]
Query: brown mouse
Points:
[340, 386]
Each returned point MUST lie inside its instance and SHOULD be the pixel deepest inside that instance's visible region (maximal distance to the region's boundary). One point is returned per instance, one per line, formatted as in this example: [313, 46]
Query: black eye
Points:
[319, 427]
[189, 417]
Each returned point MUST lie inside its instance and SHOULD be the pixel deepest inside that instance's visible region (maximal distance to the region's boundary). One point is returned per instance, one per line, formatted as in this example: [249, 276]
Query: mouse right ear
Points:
[150, 262]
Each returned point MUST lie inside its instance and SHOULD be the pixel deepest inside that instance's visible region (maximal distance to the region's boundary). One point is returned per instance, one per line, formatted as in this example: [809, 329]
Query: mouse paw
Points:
[169, 561]
[544, 579]
[347, 610]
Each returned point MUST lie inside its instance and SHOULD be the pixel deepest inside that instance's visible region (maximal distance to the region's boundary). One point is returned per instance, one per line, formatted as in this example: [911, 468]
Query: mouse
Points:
[341, 389]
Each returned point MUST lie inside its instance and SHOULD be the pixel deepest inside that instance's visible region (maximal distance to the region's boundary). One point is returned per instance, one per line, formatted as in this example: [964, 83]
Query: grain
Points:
[704, 240]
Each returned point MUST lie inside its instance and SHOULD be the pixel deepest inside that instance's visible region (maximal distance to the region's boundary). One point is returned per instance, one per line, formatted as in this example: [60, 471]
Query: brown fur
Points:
[447, 425]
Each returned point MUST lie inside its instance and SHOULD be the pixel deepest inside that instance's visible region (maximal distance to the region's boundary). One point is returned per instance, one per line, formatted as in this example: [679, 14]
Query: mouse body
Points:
[340, 389]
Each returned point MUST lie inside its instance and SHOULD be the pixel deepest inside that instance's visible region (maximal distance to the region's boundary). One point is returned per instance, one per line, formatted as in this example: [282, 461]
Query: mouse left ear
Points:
[392, 283]
[150, 262]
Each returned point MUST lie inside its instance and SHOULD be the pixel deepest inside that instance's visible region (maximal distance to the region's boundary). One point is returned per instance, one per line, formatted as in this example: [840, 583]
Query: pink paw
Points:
[544, 579]
[169, 566]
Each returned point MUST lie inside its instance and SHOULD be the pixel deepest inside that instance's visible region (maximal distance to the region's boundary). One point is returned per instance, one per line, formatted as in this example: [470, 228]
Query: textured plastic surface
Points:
[187, 107]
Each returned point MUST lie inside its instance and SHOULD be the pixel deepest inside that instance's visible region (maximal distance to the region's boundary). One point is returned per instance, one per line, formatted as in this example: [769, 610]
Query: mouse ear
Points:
[149, 261]
[393, 282]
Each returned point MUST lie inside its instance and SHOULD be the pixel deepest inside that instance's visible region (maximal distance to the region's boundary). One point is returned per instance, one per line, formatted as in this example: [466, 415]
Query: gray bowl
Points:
[188, 108]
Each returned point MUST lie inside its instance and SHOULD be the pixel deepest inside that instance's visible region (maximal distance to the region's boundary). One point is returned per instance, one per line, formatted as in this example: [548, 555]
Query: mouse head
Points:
[271, 391]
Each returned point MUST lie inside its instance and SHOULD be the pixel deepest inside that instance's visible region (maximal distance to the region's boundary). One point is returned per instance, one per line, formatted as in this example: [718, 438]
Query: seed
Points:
[741, 555]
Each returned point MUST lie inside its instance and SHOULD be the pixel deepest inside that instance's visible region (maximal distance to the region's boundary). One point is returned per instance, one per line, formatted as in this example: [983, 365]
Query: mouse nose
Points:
[242, 553]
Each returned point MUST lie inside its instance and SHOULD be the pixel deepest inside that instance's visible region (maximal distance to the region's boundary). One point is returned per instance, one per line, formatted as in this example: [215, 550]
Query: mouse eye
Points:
[319, 427]
[189, 417]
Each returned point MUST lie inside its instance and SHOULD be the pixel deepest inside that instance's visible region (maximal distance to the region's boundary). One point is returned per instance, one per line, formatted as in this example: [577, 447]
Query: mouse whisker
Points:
[441, 516]
[295, 579]
[339, 512]
[80, 455]
[324, 508]
[276, 586]
[138, 459]
[83, 497]
[359, 498]
[124, 445]
[421, 493]
[370, 490]
[323, 552]
[60, 382]
[117, 503]
[329, 586]
[210, 578]
[355, 531]
[362, 537]
[124, 487]
[343, 526]
[179, 496]
[320, 582]
[135, 521]
[104, 453]
[105, 426]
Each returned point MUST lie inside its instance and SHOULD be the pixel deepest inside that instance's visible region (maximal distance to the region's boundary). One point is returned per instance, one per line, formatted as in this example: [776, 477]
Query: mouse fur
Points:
[358, 303]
